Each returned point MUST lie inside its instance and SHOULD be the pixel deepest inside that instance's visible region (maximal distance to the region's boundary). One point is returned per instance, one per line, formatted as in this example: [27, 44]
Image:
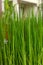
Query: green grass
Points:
[21, 40]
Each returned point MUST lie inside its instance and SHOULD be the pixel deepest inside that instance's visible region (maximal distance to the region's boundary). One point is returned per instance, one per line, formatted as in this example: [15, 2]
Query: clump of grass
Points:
[21, 40]
[33, 39]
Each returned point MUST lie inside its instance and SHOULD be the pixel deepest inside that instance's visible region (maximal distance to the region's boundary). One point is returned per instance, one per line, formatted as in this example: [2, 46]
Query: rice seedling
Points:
[40, 36]
[28, 41]
[33, 32]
